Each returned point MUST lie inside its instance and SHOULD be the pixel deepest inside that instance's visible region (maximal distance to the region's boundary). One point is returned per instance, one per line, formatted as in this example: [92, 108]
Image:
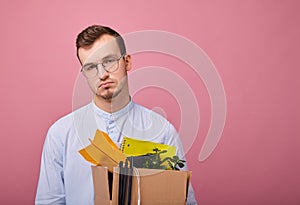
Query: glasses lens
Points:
[89, 71]
[110, 65]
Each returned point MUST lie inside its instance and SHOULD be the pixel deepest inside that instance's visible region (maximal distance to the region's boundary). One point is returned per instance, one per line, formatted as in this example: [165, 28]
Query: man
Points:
[65, 176]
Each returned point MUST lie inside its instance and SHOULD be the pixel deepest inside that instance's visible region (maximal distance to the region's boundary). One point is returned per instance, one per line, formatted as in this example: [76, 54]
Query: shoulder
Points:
[66, 123]
[146, 112]
[153, 120]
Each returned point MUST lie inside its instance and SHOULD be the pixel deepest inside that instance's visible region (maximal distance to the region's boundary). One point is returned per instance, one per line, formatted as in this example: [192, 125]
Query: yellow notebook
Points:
[135, 147]
[103, 151]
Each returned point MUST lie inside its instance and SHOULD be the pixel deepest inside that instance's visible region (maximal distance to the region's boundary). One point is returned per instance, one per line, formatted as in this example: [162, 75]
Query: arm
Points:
[50, 188]
[174, 139]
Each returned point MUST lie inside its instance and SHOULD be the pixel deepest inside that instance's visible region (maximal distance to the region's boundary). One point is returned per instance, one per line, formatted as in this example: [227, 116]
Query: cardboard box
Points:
[159, 187]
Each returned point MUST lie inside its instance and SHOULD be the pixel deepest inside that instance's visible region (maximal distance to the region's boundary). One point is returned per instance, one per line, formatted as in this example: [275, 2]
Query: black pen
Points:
[124, 182]
[120, 183]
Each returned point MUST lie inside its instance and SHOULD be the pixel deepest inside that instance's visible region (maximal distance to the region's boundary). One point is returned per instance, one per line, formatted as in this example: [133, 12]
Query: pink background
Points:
[253, 44]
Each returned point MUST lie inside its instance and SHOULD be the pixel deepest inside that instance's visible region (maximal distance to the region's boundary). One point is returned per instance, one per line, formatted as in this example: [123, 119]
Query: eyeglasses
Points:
[110, 65]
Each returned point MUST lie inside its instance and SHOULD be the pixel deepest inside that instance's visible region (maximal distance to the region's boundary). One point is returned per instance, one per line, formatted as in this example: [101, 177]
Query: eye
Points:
[89, 67]
[108, 62]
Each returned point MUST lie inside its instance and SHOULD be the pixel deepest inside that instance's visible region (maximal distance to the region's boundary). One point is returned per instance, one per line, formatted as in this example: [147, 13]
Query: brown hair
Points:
[89, 35]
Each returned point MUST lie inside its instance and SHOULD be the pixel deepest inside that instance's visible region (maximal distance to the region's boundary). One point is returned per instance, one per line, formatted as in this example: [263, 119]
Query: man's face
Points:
[106, 85]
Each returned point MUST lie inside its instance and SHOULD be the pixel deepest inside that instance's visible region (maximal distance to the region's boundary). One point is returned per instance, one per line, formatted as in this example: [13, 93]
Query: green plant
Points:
[154, 161]
[174, 162]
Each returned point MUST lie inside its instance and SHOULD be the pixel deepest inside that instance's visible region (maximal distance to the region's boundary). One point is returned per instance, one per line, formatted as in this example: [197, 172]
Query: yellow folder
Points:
[135, 147]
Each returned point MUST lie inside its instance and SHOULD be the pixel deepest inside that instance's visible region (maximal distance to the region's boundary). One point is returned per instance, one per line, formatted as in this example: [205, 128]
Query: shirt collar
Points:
[114, 115]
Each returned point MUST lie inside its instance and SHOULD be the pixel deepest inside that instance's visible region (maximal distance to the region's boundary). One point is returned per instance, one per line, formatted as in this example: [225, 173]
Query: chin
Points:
[108, 94]
[107, 97]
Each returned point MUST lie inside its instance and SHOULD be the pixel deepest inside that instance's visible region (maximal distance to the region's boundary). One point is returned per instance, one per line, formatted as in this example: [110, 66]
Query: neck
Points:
[112, 105]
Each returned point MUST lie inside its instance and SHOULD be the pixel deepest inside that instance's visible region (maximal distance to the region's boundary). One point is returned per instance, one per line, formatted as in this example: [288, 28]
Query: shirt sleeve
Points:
[174, 139]
[50, 188]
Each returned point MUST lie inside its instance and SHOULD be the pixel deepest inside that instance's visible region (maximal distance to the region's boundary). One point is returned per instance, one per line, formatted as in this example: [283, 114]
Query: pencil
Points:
[130, 180]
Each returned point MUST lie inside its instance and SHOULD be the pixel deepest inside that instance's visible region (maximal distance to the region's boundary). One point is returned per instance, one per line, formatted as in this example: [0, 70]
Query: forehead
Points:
[106, 45]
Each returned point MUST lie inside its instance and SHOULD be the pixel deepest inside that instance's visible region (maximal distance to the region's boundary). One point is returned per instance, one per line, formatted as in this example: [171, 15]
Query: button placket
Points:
[111, 129]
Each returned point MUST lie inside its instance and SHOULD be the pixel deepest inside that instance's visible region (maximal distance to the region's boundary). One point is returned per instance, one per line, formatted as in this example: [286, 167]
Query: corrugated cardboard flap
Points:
[101, 187]
[163, 186]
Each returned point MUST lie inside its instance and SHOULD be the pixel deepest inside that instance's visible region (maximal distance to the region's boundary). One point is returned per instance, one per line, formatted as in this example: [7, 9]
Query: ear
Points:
[127, 59]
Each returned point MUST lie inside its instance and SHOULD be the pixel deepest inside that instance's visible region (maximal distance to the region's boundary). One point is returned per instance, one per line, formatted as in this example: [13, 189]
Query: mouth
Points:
[105, 84]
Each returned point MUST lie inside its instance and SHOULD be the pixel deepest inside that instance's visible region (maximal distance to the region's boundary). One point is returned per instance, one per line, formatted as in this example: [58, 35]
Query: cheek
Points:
[93, 83]
[122, 80]
[119, 79]
[121, 74]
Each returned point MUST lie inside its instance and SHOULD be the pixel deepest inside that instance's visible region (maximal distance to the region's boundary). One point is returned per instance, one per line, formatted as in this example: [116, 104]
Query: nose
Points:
[103, 74]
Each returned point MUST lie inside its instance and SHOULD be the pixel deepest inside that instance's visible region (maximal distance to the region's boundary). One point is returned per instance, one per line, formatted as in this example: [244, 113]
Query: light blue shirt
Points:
[66, 177]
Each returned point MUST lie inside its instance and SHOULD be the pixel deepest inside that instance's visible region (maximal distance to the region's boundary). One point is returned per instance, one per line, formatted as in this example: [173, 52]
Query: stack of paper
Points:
[103, 151]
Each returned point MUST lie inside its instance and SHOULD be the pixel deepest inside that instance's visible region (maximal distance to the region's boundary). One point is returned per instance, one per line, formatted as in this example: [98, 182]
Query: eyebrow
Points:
[87, 64]
[104, 58]
[109, 56]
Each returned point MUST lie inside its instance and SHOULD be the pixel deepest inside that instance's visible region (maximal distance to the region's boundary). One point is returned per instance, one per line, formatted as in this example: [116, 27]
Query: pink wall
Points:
[253, 44]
